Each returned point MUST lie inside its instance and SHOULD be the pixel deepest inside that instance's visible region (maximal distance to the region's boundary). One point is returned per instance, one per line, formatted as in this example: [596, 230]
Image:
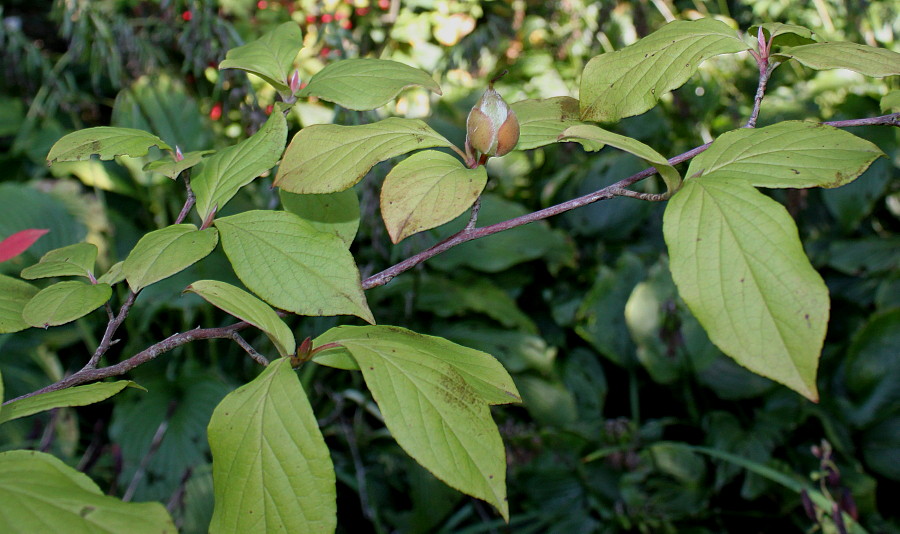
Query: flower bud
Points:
[492, 128]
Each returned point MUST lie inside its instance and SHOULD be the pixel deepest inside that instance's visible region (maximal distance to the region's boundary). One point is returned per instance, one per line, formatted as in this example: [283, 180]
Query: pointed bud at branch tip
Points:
[178, 155]
[295, 81]
[761, 39]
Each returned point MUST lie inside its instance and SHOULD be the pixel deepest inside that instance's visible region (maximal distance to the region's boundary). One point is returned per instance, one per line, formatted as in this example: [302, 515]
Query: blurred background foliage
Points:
[581, 309]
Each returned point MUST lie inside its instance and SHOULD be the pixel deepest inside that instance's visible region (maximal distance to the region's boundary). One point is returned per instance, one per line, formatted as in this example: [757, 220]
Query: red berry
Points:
[362, 11]
[326, 18]
[269, 109]
[262, 4]
[186, 16]
[384, 4]
[346, 24]
[216, 112]
[310, 19]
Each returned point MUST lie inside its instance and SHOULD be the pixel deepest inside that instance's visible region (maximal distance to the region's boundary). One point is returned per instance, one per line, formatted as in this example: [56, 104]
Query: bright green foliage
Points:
[630, 81]
[57, 498]
[74, 396]
[632, 146]
[64, 302]
[248, 308]
[293, 266]
[328, 158]
[891, 101]
[739, 265]
[868, 60]
[106, 142]
[73, 260]
[271, 468]
[364, 84]
[427, 190]
[14, 295]
[172, 168]
[114, 275]
[164, 252]
[336, 213]
[221, 176]
[269, 57]
[788, 154]
[434, 396]
[541, 122]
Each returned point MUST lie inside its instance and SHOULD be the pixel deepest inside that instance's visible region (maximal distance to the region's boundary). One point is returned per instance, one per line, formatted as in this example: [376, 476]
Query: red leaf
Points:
[19, 242]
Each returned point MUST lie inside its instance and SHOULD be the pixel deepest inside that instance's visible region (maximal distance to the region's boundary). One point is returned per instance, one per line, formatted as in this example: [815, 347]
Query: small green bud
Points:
[492, 128]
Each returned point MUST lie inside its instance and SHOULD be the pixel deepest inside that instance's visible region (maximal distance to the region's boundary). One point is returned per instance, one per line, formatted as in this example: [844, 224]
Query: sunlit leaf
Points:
[106, 142]
[64, 302]
[427, 190]
[14, 295]
[633, 146]
[867, 60]
[269, 57]
[541, 122]
[434, 396]
[220, 176]
[73, 260]
[73, 396]
[364, 84]
[57, 498]
[172, 168]
[630, 81]
[271, 468]
[335, 213]
[788, 154]
[248, 308]
[327, 158]
[293, 266]
[784, 34]
[739, 265]
[164, 252]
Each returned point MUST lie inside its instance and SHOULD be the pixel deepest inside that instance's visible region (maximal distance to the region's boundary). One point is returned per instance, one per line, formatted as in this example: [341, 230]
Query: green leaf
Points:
[114, 275]
[630, 81]
[434, 396]
[106, 142]
[427, 190]
[785, 34]
[74, 396]
[293, 266]
[64, 302]
[739, 265]
[172, 168]
[480, 370]
[221, 176]
[541, 122]
[867, 60]
[326, 158]
[335, 213]
[270, 57]
[57, 498]
[73, 260]
[271, 468]
[248, 308]
[165, 252]
[363, 84]
[891, 101]
[632, 146]
[793, 154]
[14, 295]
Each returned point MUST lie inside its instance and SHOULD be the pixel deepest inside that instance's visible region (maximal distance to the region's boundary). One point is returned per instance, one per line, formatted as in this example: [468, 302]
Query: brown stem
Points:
[189, 201]
[89, 375]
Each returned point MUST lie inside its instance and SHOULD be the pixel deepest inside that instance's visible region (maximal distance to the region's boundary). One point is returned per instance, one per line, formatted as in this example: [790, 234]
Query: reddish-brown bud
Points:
[492, 128]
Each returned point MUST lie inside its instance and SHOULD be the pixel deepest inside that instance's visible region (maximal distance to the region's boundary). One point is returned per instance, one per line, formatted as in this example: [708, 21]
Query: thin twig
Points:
[257, 357]
[176, 340]
[191, 199]
[474, 217]
[111, 328]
